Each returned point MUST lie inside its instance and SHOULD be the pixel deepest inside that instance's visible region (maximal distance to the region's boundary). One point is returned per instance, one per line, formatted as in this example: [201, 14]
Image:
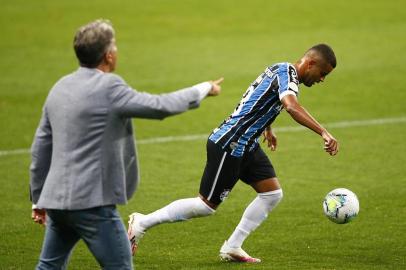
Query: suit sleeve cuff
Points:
[203, 88]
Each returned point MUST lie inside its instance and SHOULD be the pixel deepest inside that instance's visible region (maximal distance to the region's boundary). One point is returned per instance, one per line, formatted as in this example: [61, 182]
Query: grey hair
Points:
[92, 41]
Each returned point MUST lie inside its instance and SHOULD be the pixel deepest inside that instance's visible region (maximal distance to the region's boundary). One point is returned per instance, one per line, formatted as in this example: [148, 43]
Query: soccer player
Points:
[233, 151]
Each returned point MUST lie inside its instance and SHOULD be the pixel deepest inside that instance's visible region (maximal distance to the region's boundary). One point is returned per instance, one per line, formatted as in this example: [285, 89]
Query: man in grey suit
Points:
[84, 160]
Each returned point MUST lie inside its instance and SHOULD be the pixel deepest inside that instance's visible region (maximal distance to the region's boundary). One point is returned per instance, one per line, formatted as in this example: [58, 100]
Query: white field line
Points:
[343, 124]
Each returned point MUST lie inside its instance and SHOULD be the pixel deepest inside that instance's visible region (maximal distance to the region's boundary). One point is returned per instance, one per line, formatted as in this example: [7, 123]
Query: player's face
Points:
[316, 72]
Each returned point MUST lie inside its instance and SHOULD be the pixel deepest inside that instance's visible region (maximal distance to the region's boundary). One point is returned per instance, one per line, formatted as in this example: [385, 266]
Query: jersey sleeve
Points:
[288, 81]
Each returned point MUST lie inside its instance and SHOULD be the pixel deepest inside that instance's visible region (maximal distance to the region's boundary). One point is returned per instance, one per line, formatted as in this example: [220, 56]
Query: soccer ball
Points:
[341, 205]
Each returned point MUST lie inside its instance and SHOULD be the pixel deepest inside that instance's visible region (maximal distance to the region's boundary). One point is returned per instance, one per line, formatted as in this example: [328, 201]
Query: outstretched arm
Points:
[300, 115]
[131, 103]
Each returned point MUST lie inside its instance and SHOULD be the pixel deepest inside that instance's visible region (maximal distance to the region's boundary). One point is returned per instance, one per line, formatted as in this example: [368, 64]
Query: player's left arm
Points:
[300, 115]
[270, 137]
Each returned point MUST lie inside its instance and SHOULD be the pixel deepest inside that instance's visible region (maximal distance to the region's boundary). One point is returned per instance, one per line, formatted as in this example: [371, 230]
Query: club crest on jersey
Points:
[224, 194]
[233, 145]
[279, 108]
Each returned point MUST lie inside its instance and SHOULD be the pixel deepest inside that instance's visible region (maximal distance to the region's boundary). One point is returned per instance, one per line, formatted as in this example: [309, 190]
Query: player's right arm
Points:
[300, 115]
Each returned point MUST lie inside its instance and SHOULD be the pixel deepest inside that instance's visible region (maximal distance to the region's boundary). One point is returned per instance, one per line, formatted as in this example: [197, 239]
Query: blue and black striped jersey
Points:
[258, 108]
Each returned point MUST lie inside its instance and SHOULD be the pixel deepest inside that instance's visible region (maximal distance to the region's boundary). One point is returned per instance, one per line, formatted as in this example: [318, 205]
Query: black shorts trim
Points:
[217, 176]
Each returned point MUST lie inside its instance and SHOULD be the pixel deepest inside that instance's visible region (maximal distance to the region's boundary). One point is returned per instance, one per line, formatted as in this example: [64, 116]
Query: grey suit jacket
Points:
[83, 154]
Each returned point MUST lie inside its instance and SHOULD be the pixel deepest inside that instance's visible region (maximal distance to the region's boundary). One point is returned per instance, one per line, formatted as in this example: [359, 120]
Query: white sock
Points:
[256, 212]
[179, 210]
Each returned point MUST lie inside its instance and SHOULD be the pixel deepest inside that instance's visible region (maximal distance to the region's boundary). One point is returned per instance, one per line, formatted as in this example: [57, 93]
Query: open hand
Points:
[330, 143]
[270, 137]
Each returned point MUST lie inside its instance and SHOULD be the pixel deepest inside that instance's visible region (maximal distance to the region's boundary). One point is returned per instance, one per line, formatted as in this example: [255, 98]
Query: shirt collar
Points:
[85, 69]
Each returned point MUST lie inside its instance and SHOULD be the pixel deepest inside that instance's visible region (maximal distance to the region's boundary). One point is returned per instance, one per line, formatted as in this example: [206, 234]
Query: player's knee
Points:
[272, 198]
[201, 209]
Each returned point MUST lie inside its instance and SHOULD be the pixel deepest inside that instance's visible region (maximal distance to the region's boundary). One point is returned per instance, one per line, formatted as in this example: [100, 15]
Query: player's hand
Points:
[270, 137]
[215, 87]
[39, 216]
[330, 143]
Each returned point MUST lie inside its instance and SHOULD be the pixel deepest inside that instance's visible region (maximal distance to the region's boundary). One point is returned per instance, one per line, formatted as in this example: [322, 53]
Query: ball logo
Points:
[224, 194]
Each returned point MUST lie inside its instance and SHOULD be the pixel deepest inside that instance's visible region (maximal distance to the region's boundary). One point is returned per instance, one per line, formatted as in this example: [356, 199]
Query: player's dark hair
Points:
[92, 41]
[326, 52]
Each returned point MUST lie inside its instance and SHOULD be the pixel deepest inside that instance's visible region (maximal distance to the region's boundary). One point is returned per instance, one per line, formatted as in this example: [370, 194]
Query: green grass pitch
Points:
[165, 45]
